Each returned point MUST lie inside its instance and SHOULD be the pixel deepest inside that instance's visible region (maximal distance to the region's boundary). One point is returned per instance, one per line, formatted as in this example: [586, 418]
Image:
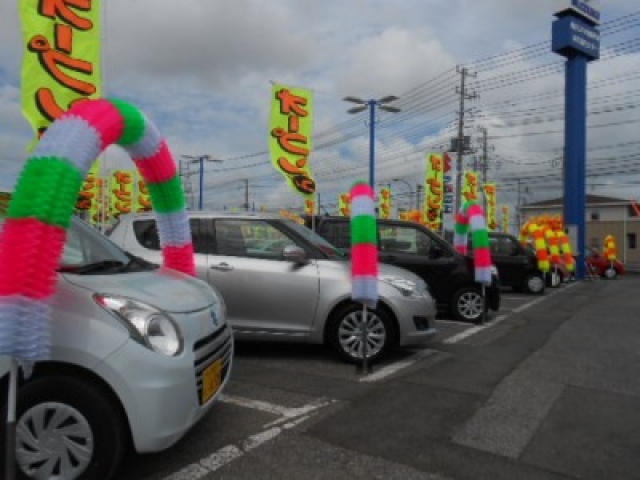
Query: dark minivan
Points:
[412, 246]
[517, 265]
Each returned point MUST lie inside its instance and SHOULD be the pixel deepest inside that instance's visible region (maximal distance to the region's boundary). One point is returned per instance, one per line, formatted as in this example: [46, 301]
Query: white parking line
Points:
[395, 367]
[472, 331]
[227, 454]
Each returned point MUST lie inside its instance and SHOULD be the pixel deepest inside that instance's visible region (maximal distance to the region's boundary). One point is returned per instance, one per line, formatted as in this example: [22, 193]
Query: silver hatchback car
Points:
[282, 282]
[139, 354]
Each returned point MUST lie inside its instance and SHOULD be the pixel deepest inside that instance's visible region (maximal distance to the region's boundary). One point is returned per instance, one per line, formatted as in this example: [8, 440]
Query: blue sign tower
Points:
[575, 36]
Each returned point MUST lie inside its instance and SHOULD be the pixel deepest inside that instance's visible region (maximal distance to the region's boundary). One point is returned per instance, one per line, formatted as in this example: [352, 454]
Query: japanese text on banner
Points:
[290, 136]
[61, 62]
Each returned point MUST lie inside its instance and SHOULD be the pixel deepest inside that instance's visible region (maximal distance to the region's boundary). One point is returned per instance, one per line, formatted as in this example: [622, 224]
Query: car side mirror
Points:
[294, 253]
[436, 252]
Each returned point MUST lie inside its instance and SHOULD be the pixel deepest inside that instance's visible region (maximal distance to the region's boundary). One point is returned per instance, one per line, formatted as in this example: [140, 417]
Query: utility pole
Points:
[185, 173]
[418, 193]
[246, 194]
[200, 159]
[461, 144]
[485, 158]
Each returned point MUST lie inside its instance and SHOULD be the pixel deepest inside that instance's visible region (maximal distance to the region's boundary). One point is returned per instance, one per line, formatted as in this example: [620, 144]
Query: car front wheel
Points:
[345, 333]
[610, 273]
[468, 305]
[67, 428]
[534, 283]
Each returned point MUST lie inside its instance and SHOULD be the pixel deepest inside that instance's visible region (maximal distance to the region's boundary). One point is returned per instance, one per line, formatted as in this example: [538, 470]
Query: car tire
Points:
[58, 417]
[344, 333]
[610, 273]
[468, 305]
[534, 283]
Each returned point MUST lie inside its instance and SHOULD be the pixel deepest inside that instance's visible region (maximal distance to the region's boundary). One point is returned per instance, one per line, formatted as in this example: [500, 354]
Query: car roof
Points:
[211, 214]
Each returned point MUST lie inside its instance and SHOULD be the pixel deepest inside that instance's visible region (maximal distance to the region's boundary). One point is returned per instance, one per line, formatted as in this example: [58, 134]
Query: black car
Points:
[412, 246]
[517, 265]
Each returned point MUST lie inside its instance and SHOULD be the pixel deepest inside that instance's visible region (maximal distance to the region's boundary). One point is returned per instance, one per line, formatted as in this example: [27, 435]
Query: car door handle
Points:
[223, 267]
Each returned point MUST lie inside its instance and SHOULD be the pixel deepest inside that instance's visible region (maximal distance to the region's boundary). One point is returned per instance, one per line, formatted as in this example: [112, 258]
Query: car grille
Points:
[218, 345]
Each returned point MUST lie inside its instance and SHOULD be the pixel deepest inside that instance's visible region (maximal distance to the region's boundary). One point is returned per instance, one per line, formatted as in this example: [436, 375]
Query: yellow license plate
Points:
[211, 380]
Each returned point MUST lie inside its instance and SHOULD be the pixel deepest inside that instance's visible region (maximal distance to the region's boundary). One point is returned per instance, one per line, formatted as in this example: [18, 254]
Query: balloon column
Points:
[472, 215]
[364, 255]
[610, 248]
[534, 231]
[40, 211]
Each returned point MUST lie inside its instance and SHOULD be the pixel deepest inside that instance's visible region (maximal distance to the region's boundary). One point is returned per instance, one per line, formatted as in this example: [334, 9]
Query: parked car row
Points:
[518, 267]
[414, 247]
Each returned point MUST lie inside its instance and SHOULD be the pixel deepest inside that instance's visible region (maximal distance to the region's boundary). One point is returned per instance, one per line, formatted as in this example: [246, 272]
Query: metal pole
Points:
[575, 153]
[10, 452]
[372, 122]
[458, 202]
[201, 159]
[365, 339]
[246, 194]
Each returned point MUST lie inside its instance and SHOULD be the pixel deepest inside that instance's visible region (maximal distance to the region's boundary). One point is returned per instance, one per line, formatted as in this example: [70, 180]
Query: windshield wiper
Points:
[141, 263]
[93, 267]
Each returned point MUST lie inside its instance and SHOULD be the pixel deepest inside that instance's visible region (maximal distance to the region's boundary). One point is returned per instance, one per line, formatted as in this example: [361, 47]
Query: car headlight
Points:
[218, 311]
[405, 286]
[148, 325]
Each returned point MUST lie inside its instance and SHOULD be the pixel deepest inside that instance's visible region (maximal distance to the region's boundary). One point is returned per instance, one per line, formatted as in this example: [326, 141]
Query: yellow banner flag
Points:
[100, 211]
[470, 186]
[290, 136]
[491, 194]
[309, 207]
[143, 198]
[385, 203]
[122, 192]
[61, 63]
[344, 204]
[87, 197]
[434, 191]
[505, 219]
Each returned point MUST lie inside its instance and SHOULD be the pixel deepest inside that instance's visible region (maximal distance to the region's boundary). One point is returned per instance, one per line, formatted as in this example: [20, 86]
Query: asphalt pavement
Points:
[551, 392]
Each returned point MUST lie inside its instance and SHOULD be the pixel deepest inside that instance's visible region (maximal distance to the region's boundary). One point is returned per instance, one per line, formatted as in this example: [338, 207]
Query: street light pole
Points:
[201, 159]
[410, 189]
[371, 105]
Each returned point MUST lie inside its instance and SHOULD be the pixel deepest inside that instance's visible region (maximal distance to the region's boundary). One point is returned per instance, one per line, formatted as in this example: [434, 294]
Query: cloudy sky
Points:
[202, 71]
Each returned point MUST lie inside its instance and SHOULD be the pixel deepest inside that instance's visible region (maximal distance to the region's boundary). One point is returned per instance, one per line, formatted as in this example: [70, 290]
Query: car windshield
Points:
[319, 242]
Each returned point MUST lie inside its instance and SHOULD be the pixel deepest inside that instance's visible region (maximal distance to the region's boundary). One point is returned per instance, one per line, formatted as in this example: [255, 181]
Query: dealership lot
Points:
[280, 388]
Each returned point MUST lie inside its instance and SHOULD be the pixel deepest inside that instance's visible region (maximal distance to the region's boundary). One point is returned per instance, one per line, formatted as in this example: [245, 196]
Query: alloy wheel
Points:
[350, 334]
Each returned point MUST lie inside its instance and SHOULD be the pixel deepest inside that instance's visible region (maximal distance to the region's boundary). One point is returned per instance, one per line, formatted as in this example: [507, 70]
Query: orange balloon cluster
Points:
[549, 238]
[610, 248]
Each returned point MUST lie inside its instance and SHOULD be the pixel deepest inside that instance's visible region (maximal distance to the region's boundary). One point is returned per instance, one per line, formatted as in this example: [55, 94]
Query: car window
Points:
[502, 246]
[337, 234]
[146, 234]
[86, 245]
[405, 239]
[250, 238]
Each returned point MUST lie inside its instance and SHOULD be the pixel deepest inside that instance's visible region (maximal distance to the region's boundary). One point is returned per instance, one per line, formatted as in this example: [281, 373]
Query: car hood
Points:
[163, 288]
[385, 269]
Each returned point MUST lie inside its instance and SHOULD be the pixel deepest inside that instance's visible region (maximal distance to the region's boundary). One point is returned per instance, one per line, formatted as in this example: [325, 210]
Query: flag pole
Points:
[365, 340]
[11, 422]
